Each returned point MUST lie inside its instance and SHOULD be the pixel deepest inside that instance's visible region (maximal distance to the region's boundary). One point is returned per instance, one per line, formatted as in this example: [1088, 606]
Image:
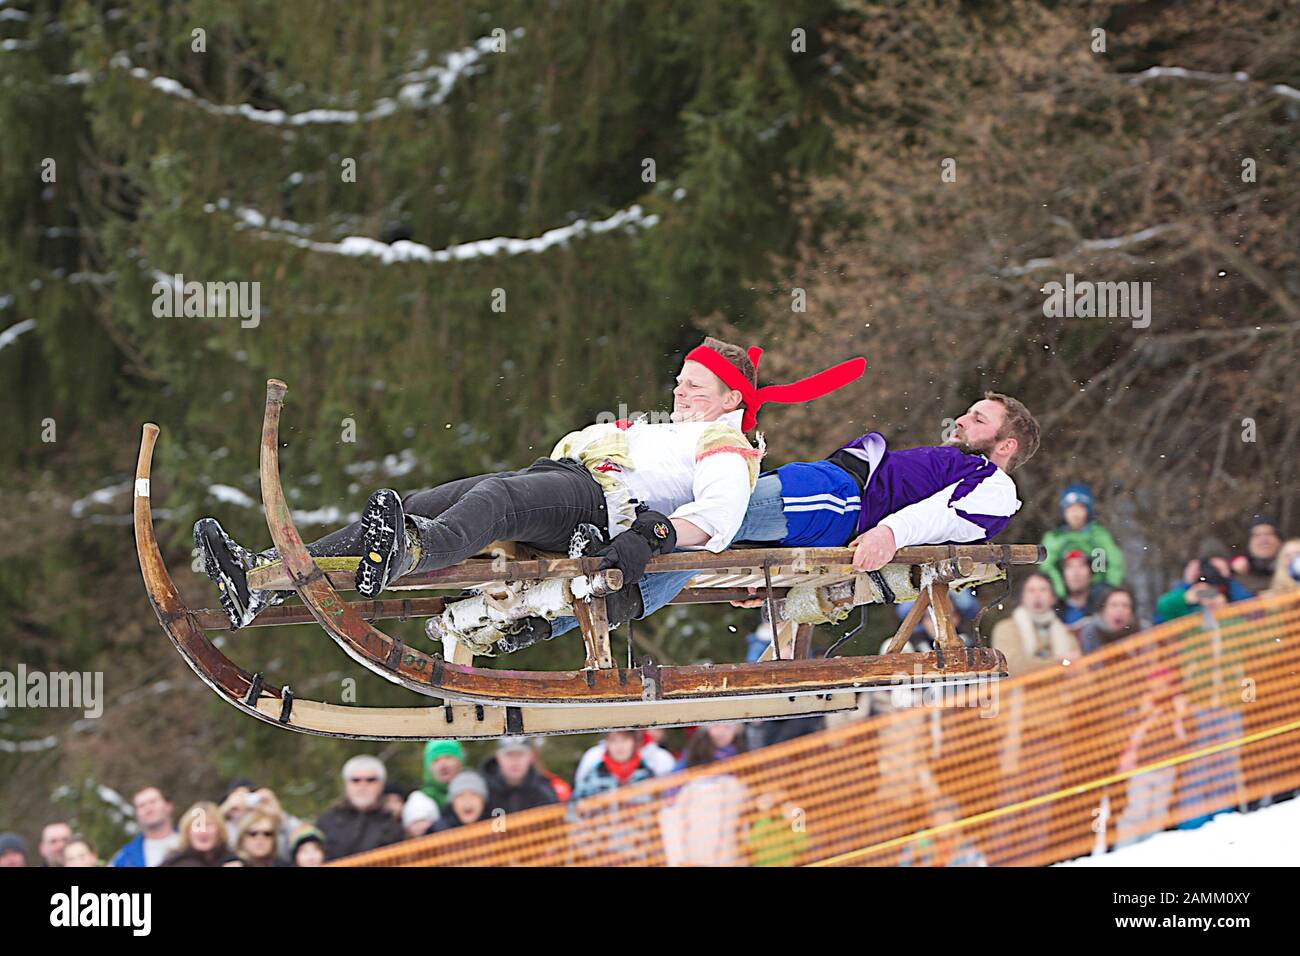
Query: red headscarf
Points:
[804, 390]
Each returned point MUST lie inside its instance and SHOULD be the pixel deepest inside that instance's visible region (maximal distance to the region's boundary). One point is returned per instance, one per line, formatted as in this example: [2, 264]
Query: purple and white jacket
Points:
[935, 494]
[928, 495]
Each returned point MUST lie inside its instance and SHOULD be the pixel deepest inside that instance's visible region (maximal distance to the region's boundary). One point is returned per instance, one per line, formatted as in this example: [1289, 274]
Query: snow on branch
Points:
[8, 335]
[390, 466]
[1181, 73]
[100, 496]
[249, 216]
[53, 28]
[420, 89]
[1091, 245]
[406, 251]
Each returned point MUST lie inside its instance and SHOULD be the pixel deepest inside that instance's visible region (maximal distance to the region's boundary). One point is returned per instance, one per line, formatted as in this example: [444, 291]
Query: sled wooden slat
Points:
[825, 565]
[214, 619]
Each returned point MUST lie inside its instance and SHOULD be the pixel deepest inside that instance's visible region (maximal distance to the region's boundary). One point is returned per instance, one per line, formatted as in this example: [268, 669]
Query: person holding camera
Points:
[242, 799]
[1207, 585]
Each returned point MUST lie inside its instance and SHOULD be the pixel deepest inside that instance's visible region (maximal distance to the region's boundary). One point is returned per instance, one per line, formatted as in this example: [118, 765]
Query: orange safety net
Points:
[1177, 722]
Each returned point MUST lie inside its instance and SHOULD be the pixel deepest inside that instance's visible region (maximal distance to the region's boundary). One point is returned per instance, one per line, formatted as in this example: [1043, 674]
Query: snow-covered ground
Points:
[1267, 837]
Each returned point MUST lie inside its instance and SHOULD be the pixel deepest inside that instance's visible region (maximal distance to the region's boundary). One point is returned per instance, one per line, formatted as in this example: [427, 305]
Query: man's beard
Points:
[973, 448]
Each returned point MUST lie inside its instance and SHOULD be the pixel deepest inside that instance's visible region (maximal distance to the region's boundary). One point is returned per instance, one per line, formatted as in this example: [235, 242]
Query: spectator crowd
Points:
[1078, 601]
[249, 827]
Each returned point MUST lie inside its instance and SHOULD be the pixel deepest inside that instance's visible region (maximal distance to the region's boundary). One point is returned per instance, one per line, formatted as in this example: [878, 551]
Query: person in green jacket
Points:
[1078, 531]
[1207, 585]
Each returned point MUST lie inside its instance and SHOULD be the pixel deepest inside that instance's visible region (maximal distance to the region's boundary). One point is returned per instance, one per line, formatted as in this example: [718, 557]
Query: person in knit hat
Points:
[1079, 531]
[359, 822]
[1255, 569]
[419, 814]
[1082, 592]
[307, 846]
[467, 796]
[13, 851]
[443, 759]
[1033, 637]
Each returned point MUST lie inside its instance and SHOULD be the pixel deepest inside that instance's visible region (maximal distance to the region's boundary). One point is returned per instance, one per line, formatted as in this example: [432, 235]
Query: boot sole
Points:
[205, 539]
[381, 525]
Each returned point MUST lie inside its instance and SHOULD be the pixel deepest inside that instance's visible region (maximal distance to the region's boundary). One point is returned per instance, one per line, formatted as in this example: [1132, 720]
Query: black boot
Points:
[526, 632]
[227, 563]
[384, 555]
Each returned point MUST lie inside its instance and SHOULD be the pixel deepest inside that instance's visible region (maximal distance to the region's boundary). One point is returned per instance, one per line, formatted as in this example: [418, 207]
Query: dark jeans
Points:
[538, 506]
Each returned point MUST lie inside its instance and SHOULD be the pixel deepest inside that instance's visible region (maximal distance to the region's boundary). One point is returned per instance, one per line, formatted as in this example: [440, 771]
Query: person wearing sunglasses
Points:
[359, 822]
[258, 841]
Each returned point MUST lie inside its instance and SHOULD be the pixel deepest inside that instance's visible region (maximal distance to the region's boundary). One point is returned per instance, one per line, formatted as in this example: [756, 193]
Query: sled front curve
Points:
[648, 684]
[250, 694]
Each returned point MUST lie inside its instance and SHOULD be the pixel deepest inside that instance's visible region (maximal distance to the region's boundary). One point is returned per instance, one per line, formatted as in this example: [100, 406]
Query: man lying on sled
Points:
[650, 488]
[876, 500]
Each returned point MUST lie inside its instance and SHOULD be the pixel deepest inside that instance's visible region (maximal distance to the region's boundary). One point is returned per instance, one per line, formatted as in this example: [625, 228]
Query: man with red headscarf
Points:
[648, 488]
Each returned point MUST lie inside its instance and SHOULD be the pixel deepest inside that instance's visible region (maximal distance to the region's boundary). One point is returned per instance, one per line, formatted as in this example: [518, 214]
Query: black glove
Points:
[624, 605]
[651, 534]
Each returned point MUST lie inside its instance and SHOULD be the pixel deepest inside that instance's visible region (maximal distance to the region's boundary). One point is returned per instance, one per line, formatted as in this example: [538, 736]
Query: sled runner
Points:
[801, 588]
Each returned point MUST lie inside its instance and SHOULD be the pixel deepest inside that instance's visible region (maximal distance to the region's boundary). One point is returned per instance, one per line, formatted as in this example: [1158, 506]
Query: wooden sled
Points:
[789, 670]
[479, 702]
[251, 694]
